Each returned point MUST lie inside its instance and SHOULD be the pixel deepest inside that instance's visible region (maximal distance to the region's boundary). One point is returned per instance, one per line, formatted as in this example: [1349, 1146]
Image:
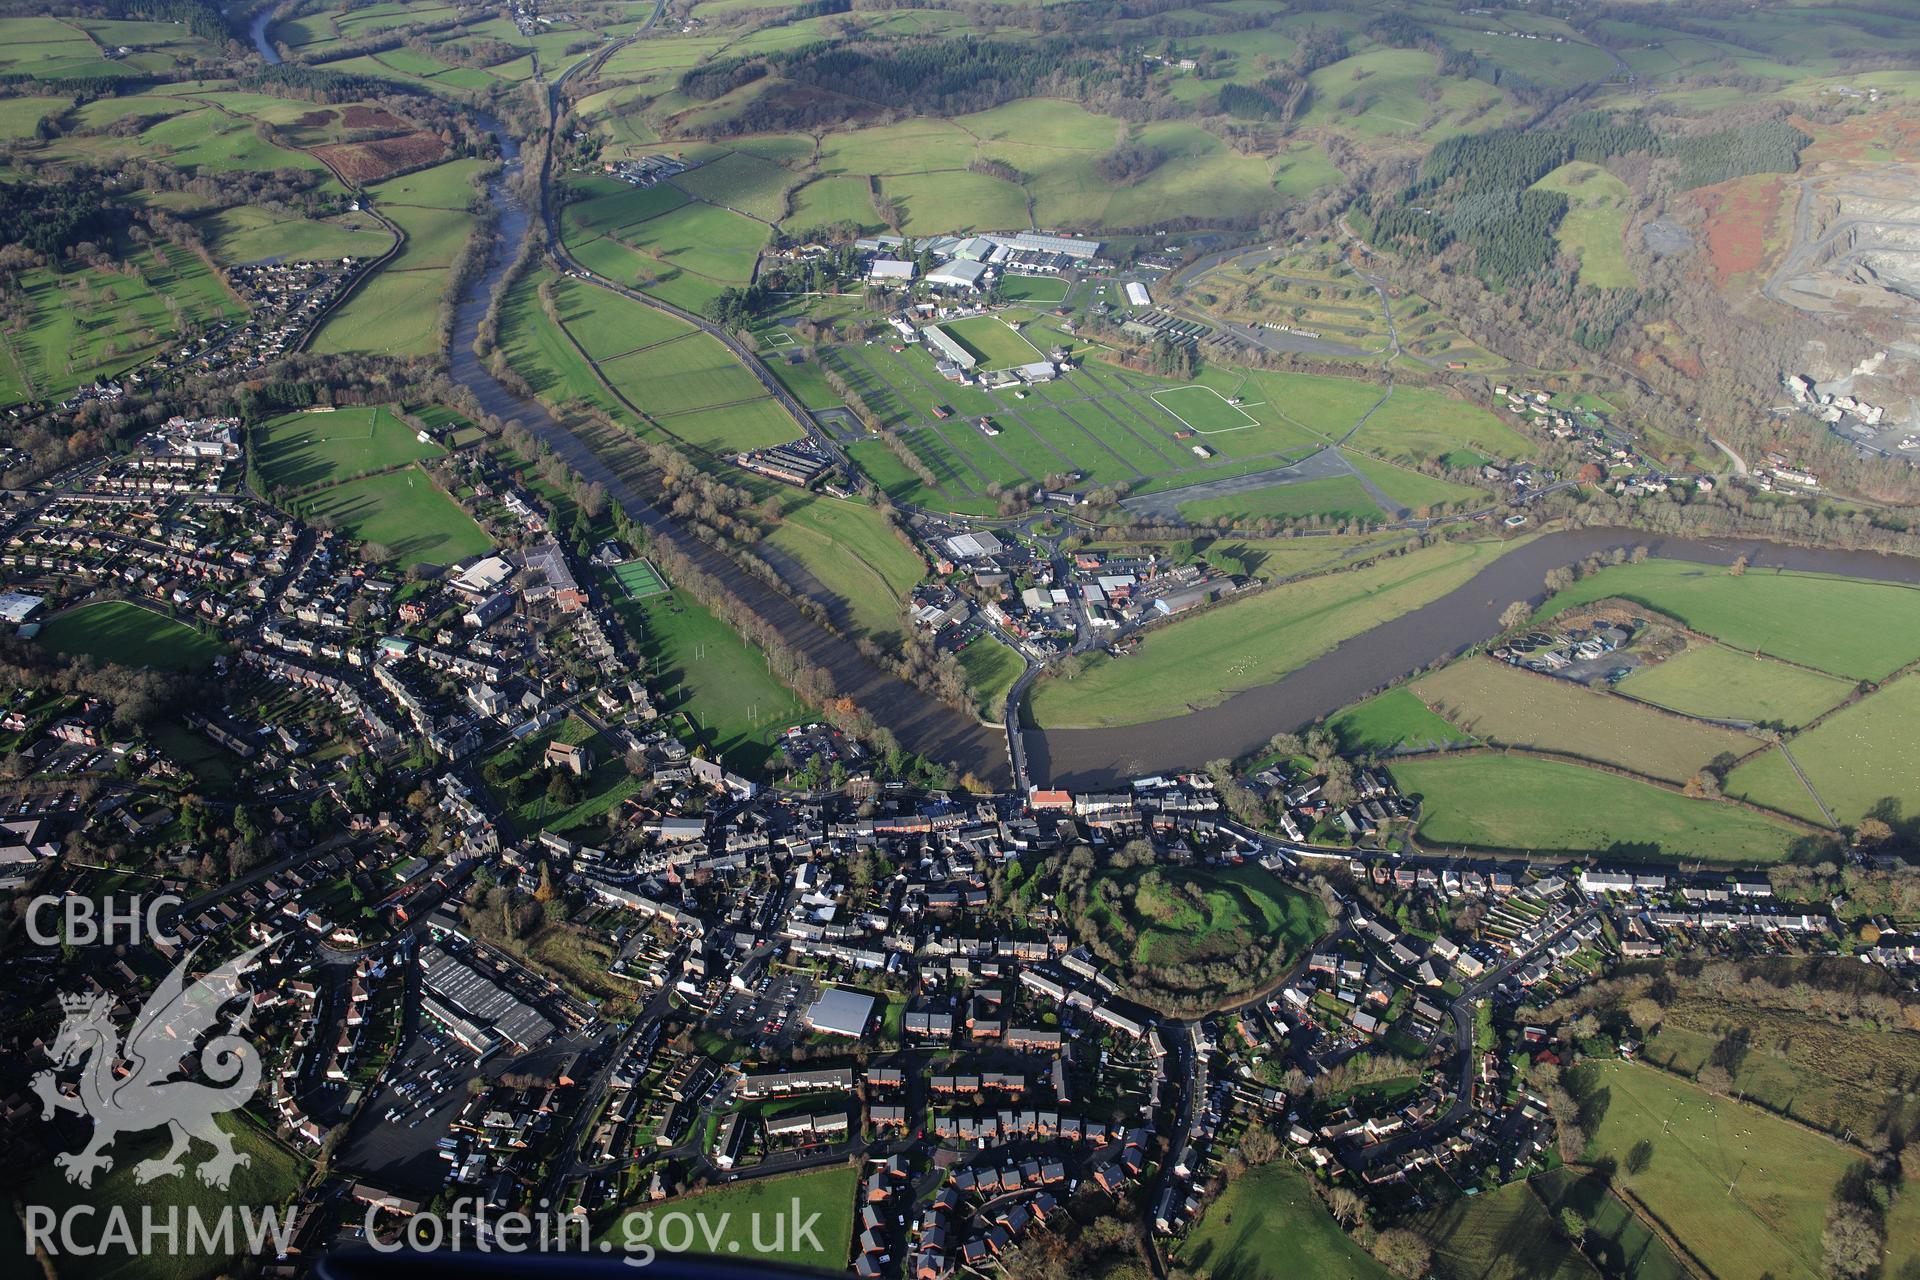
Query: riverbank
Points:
[1435, 632]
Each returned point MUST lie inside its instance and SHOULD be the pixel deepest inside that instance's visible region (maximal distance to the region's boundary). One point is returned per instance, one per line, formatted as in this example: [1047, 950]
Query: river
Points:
[258, 31]
[1097, 757]
[921, 723]
[1467, 616]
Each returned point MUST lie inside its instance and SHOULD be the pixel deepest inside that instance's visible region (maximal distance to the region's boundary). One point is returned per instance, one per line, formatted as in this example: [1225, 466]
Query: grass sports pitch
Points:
[1204, 410]
[994, 342]
[320, 447]
[132, 636]
[638, 579]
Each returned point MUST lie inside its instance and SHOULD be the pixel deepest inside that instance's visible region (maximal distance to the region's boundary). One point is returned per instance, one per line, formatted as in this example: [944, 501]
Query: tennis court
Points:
[638, 579]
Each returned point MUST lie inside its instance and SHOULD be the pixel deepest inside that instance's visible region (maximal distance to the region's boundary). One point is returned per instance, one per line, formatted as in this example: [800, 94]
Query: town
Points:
[873, 986]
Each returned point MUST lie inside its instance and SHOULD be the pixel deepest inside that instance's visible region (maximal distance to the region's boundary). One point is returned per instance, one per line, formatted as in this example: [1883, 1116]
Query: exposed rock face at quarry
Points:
[1854, 256]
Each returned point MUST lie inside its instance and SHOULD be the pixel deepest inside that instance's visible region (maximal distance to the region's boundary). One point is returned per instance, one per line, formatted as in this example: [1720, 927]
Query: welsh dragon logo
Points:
[140, 1085]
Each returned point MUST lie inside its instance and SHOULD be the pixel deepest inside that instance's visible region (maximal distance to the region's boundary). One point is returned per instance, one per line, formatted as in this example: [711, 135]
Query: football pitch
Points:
[638, 579]
[325, 446]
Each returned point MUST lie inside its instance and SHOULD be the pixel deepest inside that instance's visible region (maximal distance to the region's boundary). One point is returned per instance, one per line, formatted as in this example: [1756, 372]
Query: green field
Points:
[1832, 1074]
[541, 351]
[954, 200]
[1781, 613]
[1203, 660]
[1269, 1225]
[397, 311]
[849, 550]
[248, 233]
[829, 200]
[1861, 757]
[702, 668]
[609, 326]
[740, 181]
[1616, 1235]
[1293, 556]
[1740, 1189]
[806, 381]
[732, 1212]
[687, 373]
[304, 450]
[1504, 1234]
[1724, 684]
[687, 255]
[1487, 801]
[607, 205]
[1506, 706]
[1336, 498]
[72, 326]
[131, 636]
[1417, 425]
[991, 669]
[995, 343]
[404, 514]
[1392, 93]
[1595, 228]
[1415, 490]
[686, 382]
[1042, 289]
[1323, 408]
[1392, 721]
[638, 579]
[1099, 421]
[922, 164]
[268, 1181]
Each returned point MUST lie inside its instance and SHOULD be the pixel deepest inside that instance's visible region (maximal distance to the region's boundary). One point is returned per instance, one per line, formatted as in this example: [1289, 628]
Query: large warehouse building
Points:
[958, 274]
[840, 1013]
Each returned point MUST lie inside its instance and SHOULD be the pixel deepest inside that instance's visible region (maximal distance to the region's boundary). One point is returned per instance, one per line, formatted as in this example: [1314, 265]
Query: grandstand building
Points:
[948, 346]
